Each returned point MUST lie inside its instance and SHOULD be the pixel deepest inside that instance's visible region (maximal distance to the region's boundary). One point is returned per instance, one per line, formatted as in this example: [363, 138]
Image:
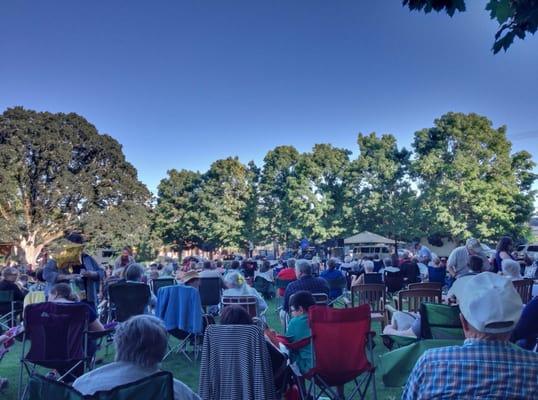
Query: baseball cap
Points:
[474, 244]
[490, 303]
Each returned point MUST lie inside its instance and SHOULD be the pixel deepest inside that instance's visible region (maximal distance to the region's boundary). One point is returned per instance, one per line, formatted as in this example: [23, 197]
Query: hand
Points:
[87, 274]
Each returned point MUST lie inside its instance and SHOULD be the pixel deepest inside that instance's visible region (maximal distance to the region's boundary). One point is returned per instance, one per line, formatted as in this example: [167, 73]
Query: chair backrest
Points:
[414, 297]
[394, 281]
[373, 278]
[371, 294]
[235, 364]
[440, 321]
[321, 299]
[180, 307]
[129, 298]
[249, 303]
[210, 291]
[56, 332]
[524, 288]
[157, 386]
[6, 296]
[283, 283]
[426, 285]
[156, 284]
[436, 274]
[337, 283]
[339, 338]
[262, 285]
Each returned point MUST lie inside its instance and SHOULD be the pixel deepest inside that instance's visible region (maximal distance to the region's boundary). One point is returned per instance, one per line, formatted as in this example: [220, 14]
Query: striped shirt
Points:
[479, 369]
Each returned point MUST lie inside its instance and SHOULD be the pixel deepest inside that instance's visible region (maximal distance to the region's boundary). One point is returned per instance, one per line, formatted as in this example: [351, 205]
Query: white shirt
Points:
[119, 373]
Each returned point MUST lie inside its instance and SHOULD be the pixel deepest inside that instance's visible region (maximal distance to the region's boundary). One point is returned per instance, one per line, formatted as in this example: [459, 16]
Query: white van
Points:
[381, 250]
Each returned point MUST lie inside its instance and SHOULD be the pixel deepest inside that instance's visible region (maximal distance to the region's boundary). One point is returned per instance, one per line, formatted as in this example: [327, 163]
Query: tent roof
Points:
[367, 237]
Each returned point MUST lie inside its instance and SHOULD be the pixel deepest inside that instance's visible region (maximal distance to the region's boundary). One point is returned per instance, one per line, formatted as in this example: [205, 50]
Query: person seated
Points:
[305, 281]
[134, 274]
[403, 324]
[191, 278]
[9, 283]
[486, 366]
[140, 345]
[235, 315]
[39, 284]
[266, 271]
[235, 266]
[287, 274]
[331, 273]
[410, 269]
[369, 272]
[511, 269]
[237, 286]
[208, 271]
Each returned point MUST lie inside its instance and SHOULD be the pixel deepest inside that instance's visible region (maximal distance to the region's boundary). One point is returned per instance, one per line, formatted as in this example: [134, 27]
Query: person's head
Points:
[476, 264]
[505, 244]
[266, 266]
[219, 264]
[10, 274]
[291, 262]
[490, 307]
[234, 280]
[435, 260]
[235, 315]
[406, 255]
[153, 267]
[387, 262]
[167, 270]
[61, 291]
[332, 263]
[191, 278]
[300, 302]
[473, 246]
[303, 268]
[208, 265]
[348, 259]
[368, 266]
[141, 340]
[235, 264]
[416, 244]
[442, 261]
[134, 273]
[511, 268]
[125, 253]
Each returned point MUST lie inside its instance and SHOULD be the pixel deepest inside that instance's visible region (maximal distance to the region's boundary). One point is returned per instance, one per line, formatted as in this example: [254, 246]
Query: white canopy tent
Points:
[368, 238]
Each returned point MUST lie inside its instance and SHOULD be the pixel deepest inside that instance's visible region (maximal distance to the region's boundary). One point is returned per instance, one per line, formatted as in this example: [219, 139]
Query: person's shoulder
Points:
[183, 392]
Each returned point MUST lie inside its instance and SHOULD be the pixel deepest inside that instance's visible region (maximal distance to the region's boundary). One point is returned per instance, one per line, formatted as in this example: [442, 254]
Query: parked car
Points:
[529, 249]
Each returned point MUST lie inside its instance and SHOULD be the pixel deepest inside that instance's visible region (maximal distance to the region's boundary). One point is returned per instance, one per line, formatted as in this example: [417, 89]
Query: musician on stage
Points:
[86, 275]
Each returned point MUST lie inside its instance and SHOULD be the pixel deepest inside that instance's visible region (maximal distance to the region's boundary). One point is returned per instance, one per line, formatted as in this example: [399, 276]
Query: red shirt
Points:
[287, 274]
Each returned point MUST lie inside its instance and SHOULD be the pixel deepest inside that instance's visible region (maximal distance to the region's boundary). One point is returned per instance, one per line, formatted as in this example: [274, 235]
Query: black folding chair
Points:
[210, 292]
[8, 309]
[128, 299]
[156, 284]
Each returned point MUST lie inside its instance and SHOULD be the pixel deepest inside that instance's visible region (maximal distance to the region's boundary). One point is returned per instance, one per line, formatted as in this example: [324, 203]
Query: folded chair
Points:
[440, 321]
[157, 386]
[58, 340]
[341, 339]
[235, 364]
[156, 284]
[128, 299]
[180, 308]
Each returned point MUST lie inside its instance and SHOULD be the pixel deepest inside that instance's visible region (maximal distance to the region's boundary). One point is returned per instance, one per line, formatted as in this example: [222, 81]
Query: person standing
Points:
[504, 252]
[458, 260]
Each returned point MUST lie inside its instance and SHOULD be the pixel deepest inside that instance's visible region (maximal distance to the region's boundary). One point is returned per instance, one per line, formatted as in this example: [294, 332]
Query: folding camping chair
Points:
[374, 296]
[373, 278]
[437, 275]
[158, 283]
[321, 299]
[127, 299]
[235, 364]
[58, 335]
[210, 290]
[266, 288]
[7, 319]
[440, 321]
[524, 288]
[413, 298]
[340, 340]
[180, 308]
[157, 386]
[249, 303]
[394, 281]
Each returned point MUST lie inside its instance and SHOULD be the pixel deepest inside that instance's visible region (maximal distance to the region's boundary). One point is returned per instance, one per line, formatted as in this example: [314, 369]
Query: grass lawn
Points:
[178, 365]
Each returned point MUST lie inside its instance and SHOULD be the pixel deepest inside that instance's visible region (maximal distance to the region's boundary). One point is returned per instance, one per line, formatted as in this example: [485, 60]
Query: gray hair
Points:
[134, 273]
[511, 268]
[368, 265]
[333, 262]
[141, 340]
[234, 280]
[291, 262]
[387, 262]
[303, 267]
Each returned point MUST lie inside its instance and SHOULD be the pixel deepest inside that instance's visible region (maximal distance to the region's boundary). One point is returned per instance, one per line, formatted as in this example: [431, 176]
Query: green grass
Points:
[179, 365]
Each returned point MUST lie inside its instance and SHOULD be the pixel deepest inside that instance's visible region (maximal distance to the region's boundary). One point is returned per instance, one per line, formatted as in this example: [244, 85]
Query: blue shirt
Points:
[479, 369]
[309, 283]
[331, 274]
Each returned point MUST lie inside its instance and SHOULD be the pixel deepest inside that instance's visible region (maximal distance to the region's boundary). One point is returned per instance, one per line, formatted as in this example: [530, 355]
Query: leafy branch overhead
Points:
[516, 18]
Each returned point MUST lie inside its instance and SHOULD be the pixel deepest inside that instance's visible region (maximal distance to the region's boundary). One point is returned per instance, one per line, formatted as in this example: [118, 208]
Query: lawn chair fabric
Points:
[396, 365]
[440, 321]
[129, 299]
[34, 298]
[235, 364]
[179, 306]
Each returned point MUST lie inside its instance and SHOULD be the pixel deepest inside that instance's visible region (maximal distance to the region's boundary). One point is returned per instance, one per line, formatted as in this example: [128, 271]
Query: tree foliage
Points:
[57, 173]
[516, 18]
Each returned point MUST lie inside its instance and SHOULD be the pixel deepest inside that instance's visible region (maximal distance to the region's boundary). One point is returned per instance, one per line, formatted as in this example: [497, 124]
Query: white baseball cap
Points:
[490, 303]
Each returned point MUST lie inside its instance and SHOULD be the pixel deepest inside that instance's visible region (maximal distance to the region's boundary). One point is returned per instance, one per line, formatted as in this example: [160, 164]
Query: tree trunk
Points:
[29, 252]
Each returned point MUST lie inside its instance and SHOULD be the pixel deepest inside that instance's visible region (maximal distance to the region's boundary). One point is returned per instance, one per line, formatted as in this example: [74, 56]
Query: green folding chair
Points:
[440, 321]
[396, 365]
[157, 386]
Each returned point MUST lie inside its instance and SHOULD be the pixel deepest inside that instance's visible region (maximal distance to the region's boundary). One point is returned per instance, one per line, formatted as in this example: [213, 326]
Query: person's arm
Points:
[51, 275]
[93, 270]
[451, 263]
[95, 326]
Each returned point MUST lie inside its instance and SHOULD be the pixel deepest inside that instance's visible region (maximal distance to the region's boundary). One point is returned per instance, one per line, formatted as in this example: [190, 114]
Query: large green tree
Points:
[176, 217]
[470, 183]
[57, 173]
[516, 18]
[383, 200]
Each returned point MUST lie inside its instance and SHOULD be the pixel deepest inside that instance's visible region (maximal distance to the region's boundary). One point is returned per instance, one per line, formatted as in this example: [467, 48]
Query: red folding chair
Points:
[340, 341]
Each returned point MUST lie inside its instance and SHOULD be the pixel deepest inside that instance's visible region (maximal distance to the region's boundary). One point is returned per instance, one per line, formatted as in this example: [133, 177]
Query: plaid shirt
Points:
[309, 283]
[480, 369]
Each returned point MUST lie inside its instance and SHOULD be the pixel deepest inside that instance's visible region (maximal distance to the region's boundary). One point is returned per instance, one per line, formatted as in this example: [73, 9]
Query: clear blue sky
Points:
[183, 83]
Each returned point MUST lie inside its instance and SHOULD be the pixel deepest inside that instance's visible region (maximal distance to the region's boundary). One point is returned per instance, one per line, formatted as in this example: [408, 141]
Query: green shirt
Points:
[298, 329]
